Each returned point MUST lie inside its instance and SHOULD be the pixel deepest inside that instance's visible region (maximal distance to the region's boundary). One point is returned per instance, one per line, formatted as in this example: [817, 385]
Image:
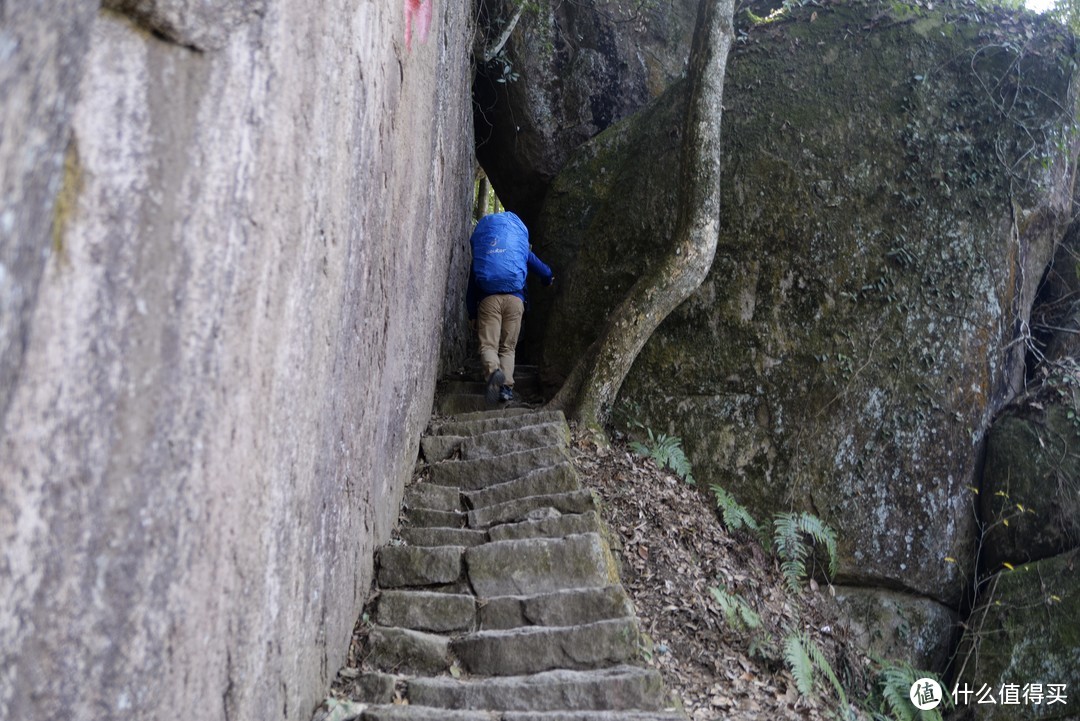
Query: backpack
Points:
[500, 251]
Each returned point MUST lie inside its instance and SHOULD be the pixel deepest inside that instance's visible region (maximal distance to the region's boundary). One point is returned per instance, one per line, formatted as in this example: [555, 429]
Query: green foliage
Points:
[667, 452]
[803, 656]
[737, 612]
[734, 513]
[893, 701]
[792, 548]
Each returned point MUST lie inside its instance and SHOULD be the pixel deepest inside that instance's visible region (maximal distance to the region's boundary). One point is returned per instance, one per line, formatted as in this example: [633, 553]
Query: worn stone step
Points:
[493, 443]
[428, 611]
[497, 443]
[484, 472]
[419, 565]
[540, 565]
[436, 536]
[403, 650]
[520, 509]
[560, 478]
[453, 404]
[493, 413]
[424, 713]
[562, 608]
[612, 689]
[374, 688]
[461, 426]
[543, 648]
[433, 497]
[430, 518]
[553, 525]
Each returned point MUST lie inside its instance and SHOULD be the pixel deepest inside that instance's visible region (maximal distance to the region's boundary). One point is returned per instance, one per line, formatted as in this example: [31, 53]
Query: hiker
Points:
[496, 297]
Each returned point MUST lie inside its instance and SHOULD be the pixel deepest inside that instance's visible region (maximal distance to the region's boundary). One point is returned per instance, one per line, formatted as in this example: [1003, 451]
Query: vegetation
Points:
[667, 452]
[796, 536]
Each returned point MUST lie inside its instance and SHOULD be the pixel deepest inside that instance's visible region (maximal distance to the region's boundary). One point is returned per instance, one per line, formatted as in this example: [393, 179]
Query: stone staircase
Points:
[500, 600]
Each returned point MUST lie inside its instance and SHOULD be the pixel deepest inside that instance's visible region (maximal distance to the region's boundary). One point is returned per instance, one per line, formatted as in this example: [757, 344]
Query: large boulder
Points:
[568, 71]
[1029, 502]
[1021, 652]
[895, 182]
[897, 626]
[219, 339]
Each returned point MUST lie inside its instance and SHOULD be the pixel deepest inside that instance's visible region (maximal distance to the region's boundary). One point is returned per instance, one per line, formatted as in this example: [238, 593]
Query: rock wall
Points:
[895, 185]
[568, 71]
[228, 264]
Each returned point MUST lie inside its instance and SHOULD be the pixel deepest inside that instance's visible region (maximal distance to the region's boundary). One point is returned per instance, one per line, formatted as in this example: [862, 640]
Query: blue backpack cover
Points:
[500, 251]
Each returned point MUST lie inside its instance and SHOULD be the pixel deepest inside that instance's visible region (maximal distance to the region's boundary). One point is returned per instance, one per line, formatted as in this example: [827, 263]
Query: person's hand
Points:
[550, 282]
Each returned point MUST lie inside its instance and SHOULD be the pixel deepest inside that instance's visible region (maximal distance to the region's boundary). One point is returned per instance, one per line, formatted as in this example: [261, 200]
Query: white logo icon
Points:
[925, 694]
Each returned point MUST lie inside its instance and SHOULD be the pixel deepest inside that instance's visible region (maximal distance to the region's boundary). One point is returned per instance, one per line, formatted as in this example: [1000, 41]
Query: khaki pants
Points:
[498, 323]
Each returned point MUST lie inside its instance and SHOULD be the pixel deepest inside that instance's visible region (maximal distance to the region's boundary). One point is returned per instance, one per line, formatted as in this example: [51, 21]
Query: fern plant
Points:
[803, 656]
[792, 548]
[734, 513]
[894, 683]
[737, 611]
[667, 452]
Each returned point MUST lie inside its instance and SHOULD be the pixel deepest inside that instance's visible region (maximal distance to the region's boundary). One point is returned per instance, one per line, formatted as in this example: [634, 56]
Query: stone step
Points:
[453, 404]
[462, 426]
[431, 611]
[433, 497]
[424, 713]
[471, 447]
[612, 689]
[553, 525]
[541, 648]
[431, 518]
[474, 475]
[494, 443]
[403, 650]
[401, 566]
[525, 385]
[523, 509]
[493, 413]
[437, 536]
[560, 478]
[563, 608]
[373, 688]
[540, 565]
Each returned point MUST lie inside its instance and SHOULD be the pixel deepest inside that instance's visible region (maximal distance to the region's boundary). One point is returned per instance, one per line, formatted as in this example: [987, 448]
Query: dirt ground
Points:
[674, 549]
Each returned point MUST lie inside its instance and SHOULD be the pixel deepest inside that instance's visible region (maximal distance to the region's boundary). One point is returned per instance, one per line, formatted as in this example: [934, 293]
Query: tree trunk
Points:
[590, 391]
[483, 191]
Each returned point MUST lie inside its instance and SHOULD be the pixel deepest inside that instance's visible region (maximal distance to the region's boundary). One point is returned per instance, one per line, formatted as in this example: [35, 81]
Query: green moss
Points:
[67, 201]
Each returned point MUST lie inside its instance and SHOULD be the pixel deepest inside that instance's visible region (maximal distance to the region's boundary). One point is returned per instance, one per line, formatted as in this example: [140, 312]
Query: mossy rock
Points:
[898, 626]
[1024, 631]
[875, 262]
[1030, 497]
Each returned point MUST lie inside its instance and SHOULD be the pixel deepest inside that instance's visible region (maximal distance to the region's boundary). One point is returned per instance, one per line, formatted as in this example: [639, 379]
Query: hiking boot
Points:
[494, 385]
[506, 394]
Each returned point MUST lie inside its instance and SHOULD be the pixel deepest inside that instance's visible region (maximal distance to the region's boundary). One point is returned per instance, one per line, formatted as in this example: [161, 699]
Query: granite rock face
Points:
[862, 322]
[42, 43]
[567, 72]
[224, 276]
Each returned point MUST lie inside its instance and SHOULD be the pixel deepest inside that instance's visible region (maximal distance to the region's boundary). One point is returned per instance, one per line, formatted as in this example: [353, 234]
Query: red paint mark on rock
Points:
[418, 11]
